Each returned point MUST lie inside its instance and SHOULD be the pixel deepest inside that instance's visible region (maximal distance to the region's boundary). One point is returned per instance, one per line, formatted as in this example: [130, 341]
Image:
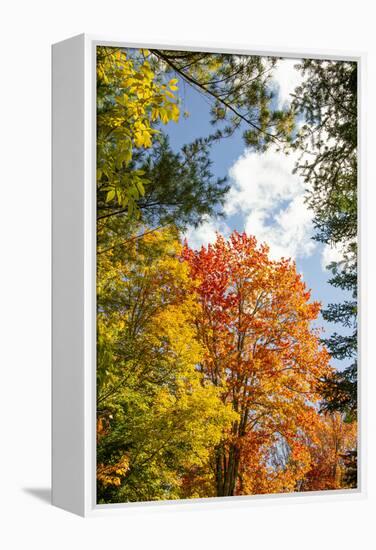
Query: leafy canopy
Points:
[157, 416]
[130, 100]
[263, 355]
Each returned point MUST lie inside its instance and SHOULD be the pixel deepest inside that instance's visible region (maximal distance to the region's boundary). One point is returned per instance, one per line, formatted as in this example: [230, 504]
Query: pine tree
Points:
[328, 101]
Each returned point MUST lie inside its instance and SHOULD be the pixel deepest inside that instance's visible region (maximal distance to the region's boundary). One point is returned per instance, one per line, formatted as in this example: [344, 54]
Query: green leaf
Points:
[110, 195]
[140, 187]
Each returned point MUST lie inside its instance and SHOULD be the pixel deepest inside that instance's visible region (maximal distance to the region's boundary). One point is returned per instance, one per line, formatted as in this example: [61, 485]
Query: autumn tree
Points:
[331, 444]
[262, 354]
[157, 416]
[209, 373]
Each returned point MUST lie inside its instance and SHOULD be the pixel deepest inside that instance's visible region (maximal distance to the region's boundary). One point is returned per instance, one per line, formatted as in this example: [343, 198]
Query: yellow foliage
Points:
[112, 474]
[131, 100]
[146, 337]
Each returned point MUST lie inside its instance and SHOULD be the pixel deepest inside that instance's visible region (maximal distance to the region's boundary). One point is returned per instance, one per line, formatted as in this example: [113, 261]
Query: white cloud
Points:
[287, 78]
[205, 233]
[288, 233]
[262, 181]
[267, 201]
[331, 253]
[270, 199]
[266, 193]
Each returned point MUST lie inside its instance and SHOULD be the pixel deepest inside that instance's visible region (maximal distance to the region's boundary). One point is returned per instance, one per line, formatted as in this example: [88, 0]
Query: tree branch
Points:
[202, 87]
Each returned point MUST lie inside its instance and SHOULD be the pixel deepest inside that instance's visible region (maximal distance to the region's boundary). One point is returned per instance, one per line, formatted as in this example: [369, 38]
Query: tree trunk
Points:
[227, 469]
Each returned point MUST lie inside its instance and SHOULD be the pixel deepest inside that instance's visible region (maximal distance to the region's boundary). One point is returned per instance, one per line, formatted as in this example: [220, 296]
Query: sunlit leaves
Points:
[209, 373]
[156, 408]
[112, 474]
[131, 101]
[262, 353]
[331, 442]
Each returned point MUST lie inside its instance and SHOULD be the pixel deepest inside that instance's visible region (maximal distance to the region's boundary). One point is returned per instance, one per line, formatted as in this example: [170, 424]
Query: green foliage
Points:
[328, 101]
[136, 95]
[350, 461]
[131, 100]
[160, 418]
[340, 391]
[240, 90]
[181, 188]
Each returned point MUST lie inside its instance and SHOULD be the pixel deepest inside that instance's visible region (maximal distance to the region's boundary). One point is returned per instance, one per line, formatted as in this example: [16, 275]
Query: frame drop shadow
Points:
[41, 493]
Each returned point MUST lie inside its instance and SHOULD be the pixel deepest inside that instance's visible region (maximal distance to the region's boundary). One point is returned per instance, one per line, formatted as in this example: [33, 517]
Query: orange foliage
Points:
[260, 349]
[112, 474]
[332, 438]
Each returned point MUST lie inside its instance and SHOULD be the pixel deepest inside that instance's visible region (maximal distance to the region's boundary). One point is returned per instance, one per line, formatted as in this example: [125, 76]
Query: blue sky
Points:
[265, 198]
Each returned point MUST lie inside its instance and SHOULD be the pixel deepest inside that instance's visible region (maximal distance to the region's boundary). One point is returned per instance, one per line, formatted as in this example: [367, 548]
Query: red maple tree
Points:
[255, 326]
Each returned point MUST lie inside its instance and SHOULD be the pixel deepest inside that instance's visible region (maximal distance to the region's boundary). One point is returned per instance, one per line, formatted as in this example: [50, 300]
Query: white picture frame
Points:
[74, 289]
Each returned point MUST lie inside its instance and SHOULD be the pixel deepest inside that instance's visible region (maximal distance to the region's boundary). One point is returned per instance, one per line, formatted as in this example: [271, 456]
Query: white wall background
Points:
[27, 30]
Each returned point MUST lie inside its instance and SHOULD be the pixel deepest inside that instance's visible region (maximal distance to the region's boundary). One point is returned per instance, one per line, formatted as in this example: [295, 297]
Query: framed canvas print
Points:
[205, 275]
